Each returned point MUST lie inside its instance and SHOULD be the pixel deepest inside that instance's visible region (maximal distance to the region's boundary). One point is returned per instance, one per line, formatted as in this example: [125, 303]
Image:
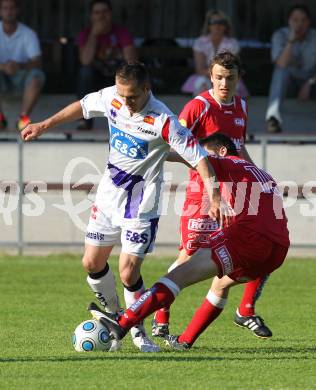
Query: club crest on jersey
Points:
[113, 113]
[239, 122]
[115, 103]
[94, 211]
[149, 119]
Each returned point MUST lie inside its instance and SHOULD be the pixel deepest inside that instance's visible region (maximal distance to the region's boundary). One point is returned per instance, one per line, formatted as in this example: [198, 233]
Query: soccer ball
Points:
[91, 335]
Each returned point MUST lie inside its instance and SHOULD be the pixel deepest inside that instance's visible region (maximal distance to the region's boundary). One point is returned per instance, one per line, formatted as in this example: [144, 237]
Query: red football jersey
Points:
[252, 196]
[204, 116]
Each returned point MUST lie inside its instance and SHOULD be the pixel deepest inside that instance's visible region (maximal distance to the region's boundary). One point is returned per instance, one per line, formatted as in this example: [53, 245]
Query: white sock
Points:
[174, 288]
[215, 300]
[104, 286]
[131, 296]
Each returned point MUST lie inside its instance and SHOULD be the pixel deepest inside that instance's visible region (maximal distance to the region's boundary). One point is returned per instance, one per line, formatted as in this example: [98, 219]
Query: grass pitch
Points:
[44, 298]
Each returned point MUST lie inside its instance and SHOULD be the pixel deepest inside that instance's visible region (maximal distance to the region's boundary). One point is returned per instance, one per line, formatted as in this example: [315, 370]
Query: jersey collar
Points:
[222, 105]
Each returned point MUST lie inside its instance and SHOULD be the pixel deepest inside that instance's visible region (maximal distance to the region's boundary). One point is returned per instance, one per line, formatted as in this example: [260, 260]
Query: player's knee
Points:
[129, 276]
[129, 269]
[91, 264]
[221, 286]
[220, 291]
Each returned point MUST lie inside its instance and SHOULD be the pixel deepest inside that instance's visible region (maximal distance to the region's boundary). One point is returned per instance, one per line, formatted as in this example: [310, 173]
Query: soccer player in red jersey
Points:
[251, 244]
[216, 110]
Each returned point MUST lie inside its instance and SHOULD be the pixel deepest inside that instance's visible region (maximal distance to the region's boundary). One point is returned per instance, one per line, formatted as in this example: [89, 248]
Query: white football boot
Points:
[142, 341]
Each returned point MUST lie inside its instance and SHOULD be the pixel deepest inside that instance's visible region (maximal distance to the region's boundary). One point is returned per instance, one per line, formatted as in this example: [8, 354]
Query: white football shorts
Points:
[137, 237]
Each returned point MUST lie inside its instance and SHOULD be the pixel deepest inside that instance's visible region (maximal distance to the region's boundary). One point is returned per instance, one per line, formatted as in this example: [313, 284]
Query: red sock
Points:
[252, 291]
[162, 316]
[202, 318]
[156, 297]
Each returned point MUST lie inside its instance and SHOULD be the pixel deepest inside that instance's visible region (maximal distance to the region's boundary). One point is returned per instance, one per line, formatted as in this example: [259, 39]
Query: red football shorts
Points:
[196, 228]
[243, 254]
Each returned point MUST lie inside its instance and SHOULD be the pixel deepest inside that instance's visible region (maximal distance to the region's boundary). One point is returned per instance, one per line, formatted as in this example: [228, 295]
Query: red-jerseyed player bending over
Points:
[252, 244]
[216, 110]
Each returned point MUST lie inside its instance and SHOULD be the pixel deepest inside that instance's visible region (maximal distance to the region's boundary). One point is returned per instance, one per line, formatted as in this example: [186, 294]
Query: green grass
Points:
[44, 298]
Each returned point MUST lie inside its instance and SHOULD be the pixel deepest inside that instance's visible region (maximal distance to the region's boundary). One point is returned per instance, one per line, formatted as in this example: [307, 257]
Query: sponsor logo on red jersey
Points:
[201, 224]
[149, 119]
[239, 122]
[115, 103]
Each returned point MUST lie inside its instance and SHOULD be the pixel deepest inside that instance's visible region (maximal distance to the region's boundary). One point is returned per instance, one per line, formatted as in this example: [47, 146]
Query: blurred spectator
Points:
[216, 37]
[20, 62]
[294, 55]
[102, 46]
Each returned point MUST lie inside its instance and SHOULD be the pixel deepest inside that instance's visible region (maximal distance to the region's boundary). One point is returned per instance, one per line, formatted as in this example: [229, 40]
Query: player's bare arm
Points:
[224, 215]
[70, 113]
[175, 157]
[210, 180]
[208, 175]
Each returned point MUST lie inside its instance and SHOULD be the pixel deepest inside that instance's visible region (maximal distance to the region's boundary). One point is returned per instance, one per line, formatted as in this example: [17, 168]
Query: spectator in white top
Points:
[20, 62]
[216, 37]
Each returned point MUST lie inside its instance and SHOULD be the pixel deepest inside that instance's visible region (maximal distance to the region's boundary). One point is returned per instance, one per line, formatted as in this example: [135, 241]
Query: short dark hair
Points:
[106, 2]
[219, 139]
[228, 60]
[299, 7]
[133, 70]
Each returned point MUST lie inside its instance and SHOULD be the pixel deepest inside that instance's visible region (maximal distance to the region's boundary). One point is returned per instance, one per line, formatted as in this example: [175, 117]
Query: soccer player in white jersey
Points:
[126, 208]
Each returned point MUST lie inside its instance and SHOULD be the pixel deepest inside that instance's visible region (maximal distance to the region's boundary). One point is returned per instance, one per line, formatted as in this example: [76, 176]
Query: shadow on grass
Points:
[174, 356]
[258, 350]
[111, 356]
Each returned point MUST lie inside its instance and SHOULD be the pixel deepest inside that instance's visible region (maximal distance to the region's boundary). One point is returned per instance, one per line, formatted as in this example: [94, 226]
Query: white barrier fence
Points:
[38, 209]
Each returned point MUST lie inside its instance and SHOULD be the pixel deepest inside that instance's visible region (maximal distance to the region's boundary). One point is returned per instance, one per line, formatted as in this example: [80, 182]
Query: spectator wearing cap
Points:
[103, 45]
[294, 55]
[217, 36]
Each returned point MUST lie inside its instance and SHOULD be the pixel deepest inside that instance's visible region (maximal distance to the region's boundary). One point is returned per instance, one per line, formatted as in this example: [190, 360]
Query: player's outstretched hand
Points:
[32, 131]
[227, 215]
